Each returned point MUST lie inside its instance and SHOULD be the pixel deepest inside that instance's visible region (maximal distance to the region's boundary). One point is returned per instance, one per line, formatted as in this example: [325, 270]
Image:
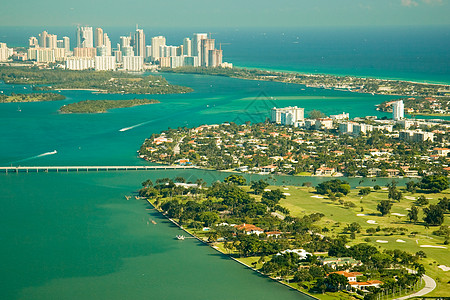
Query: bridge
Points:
[37, 169]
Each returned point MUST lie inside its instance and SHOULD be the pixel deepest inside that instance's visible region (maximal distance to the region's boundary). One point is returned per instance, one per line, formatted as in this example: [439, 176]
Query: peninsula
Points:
[344, 83]
[104, 81]
[101, 106]
[33, 97]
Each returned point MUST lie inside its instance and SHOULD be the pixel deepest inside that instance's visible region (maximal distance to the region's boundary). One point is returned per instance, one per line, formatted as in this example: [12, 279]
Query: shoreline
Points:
[227, 255]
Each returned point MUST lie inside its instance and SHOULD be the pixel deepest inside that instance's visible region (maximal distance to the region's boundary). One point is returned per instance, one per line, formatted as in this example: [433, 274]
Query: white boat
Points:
[180, 237]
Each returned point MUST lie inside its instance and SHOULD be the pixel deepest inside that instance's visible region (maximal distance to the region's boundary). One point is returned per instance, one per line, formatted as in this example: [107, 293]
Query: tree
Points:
[271, 198]
[411, 186]
[434, 183]
[147, 183]
[258, 186]
[421, 200]
[316, 114]
[353, 227]
[302, 276]
[335, 186]
[413, 214]
[179, 179]
[336, 282]
[236, 179]
[384, 207]
[434, 215]
[364, 191]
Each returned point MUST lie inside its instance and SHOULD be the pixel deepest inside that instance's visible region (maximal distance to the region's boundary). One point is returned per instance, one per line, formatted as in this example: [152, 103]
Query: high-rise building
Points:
[207, 45]
[43, 39]
[187, 47]
[80, 63]
[133, 63]
[66, 43]
[197, 44]
[107, 44]
[98, 37]
[33, 42]
[127, 51]
[84, 52]
[85, 37]
[157, 43]
[125, 41]
[215, 58]
[51, 41]
[104, 63]
[287, 115]
[398, 110]
[139, 43]
[3, 52]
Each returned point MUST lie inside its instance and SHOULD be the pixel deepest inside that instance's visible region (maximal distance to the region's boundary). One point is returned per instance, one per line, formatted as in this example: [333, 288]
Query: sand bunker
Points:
[381, 241]
[431, 246]
[361, 215]
[266, 190]
[286, 194]
[371, 222]
[286, 188]
[397, 214]
[317, 196]
[400, 241]
[410, 198]
[444, 268]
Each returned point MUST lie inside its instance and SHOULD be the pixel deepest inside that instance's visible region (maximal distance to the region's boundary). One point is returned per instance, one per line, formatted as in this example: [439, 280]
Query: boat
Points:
[180, 237]
[19, 109]
[153, 222]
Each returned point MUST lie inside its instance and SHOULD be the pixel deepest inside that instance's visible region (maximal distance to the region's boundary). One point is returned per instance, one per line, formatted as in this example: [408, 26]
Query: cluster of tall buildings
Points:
[94, 50]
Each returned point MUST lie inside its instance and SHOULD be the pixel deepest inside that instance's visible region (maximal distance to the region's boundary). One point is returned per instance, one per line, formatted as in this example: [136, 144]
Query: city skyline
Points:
[231, 13]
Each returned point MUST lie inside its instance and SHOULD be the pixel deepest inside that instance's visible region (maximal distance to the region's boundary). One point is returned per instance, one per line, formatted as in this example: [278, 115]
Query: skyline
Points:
[292, 13]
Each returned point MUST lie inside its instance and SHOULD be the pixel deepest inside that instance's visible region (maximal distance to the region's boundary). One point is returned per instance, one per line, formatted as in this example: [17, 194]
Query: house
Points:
[274, 234]
[441, 151]
[325, 171]
[351, 276]
[340, 261]
[249, 229]
[392, 172]
[363, 285]
[300, 252]
[268, 169]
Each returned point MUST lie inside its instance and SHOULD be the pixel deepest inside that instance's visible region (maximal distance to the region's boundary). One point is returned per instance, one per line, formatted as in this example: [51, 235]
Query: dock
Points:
[37, 169]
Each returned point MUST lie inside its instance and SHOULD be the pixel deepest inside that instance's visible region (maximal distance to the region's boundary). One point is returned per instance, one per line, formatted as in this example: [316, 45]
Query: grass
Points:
[337, 217]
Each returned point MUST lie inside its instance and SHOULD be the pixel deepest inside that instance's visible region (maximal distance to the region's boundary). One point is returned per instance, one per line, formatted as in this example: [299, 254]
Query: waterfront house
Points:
[365, 284]
[325, 171]
[351, 276]
[340, 261]
[249, 229]
[300, 252]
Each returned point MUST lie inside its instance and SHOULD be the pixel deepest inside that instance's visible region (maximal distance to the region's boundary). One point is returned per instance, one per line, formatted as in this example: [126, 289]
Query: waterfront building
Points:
[191, 61]
[343, 116]
[4, 52]
[125, 41]
[133, 63]
[101, 50]
[139, 43]
[33, 42]
[85, 37]
[197, 44]
[60, 54]
[325, 123]
[84, 52]
[80, 63]
[215, 58]
[105, 63]
[51, 41]
[127, 51]
[60, 44]
[148, 52]
[42, 55]
[118, 56]
[416, 136]
[157, 43]
[346, 127]
[206, 46]
[291, 114]
[361, 128]
[43, 39]
[187, 47]
[398, 110]
[99, 37]
[66, 41]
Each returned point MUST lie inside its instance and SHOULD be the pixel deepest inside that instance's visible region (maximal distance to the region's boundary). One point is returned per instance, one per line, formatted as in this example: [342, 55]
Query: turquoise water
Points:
[74, 236]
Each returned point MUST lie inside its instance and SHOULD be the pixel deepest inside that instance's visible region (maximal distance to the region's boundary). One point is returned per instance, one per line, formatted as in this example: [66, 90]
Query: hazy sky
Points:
[225, 13]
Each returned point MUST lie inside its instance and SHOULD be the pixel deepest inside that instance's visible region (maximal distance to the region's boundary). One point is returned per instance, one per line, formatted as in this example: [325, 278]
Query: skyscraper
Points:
[139, 43]
[157, 43]
[51, 41]
[107, 44]
[187, 47]
[43, 39]
[398, 110]
[66, 43]
[99, 37]
[85, 37]
[33, 42]
[197, 44]
[206, 46]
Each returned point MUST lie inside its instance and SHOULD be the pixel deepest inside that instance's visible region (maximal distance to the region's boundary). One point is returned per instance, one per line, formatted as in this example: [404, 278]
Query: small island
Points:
[33, 97]
[102, 106]
[99, 81]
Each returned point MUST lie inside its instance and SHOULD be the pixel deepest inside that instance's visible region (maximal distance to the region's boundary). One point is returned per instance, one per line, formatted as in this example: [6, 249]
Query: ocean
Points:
[75, 236]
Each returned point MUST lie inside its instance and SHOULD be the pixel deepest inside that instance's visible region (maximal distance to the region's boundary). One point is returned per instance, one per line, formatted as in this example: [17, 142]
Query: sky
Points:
[226, 13]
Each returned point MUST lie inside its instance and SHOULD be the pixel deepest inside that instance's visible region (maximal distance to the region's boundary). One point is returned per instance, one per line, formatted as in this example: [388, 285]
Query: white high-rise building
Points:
[105, 63]
[85, 37]
[66, 43]
[99, 37]
[43, 39]
[125, 41]
[287, 115]
[398, 110]
[127, 51]
[139, 43]
[33, 42]
[206, 46]
[133, 63]
[197, 44]
[79, 63]
[157, 43]
[51, 41]
[4, 53]
[187, 47]
[107, 44]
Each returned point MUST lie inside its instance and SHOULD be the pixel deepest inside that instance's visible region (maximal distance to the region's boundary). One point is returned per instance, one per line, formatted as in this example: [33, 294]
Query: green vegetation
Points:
[104, 81]
[33, 97]
[270, 222]
[101, 106]
[347, 83]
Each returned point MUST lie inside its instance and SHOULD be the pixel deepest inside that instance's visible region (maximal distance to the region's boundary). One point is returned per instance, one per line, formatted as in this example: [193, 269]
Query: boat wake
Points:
[36, 156]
